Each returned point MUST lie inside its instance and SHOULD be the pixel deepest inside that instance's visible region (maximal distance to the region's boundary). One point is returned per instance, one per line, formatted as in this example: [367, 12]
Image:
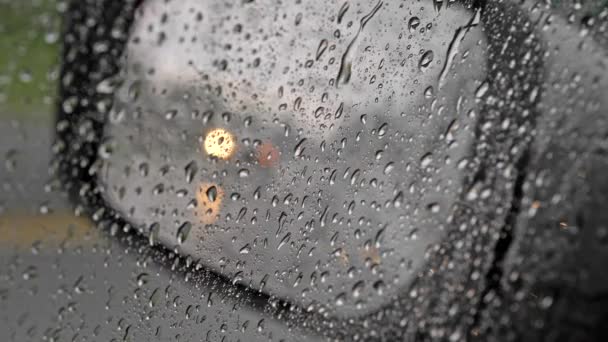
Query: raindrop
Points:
[299, 148]
[389, 168]
[340, 299]
[321, 49]
[169, 115]
[342, 12]
[346, 63]
[382, 130]
[426, 160]
[482, 90]
[245, 249]
[413, 23]
[191, 170]
[142, 279]
[434, 207]
[358, 288]
[244, 173]
[212, 193]
[425, 60]
[183, 231]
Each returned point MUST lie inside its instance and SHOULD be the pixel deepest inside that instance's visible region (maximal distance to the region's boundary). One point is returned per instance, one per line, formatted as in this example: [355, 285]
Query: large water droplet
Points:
[425, 60]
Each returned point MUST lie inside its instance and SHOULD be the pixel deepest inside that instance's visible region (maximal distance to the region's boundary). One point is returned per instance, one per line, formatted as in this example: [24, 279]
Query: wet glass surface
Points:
[265, 171]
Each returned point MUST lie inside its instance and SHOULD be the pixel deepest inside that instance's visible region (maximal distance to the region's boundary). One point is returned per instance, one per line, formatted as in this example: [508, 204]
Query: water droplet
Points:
[342, 12]
[284, 240]
[212, 193]
[389, 168]
[183, 232]
[379, 286]
[134, 90]
[398, 200]
[344, 73]
[358, 288]
[169, 115]
[244, 173]
[434, 207]
[190, 170]
[426, 160]
[425, 60]
[245, 249]
[413, 23]
[340, 299]
[299, 148]
[482, 90]
[142, 279]
[382, 130]
[321, 49]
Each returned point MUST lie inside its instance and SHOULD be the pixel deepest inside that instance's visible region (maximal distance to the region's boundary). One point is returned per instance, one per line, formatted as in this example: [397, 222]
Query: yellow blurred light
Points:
[344, 258]
[220, 143]
[372, 254]
[23, 230]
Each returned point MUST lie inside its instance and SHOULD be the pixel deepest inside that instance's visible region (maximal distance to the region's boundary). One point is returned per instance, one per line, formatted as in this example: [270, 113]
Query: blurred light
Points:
[220, 143]
[267, 155]
[209, 198]
[371, 254]
[23, 230]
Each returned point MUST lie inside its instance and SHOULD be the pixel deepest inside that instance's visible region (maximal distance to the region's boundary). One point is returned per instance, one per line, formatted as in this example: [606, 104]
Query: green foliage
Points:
[29, 33]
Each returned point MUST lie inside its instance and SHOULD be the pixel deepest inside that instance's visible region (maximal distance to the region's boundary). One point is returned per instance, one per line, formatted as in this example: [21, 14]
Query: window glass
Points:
[265, 170]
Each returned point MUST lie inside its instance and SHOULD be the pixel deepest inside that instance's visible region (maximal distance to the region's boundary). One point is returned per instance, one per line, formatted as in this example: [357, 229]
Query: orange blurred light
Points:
[267, 155]
[209, 198]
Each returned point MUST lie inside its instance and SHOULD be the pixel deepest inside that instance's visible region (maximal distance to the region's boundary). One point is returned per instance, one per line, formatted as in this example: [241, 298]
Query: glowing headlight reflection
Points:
[220, 143]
